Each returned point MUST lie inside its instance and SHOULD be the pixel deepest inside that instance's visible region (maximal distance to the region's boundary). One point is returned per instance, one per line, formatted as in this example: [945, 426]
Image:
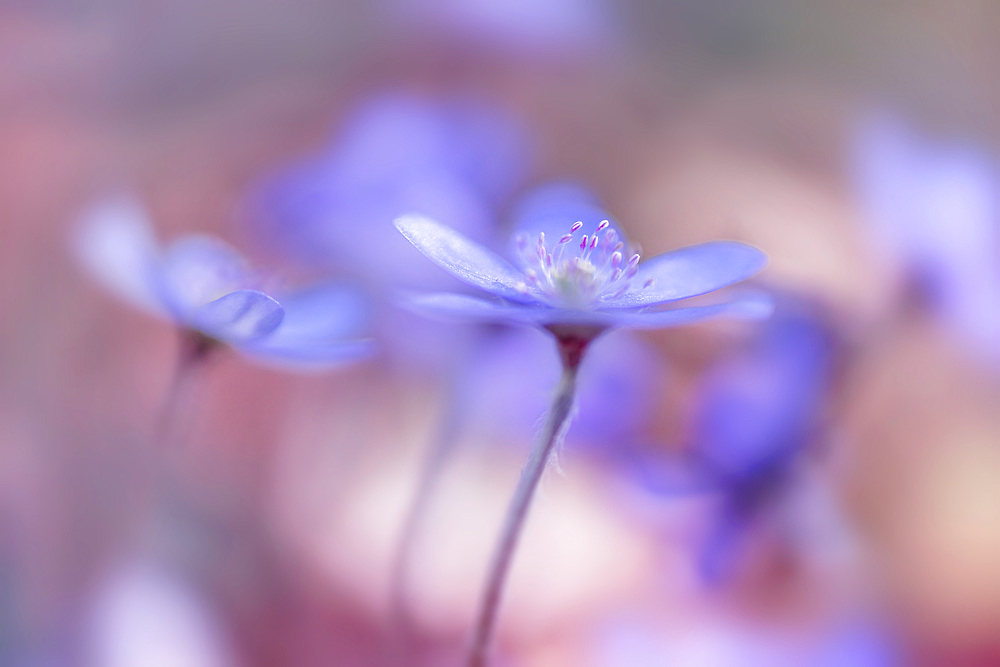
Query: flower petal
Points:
[689, 272]
[198, 269]
[317, 329]
[453, 306]
[463, 258]
[242, 315]
[750, 305]
[116, 244]
[312, 356]
[325, 312]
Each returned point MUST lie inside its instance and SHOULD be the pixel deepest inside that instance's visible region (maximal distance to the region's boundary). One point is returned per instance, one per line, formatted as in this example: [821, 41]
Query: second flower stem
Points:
[555, 427]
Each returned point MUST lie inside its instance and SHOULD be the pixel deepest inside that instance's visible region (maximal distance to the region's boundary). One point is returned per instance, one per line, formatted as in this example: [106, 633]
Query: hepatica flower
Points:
[576, 275]
[205, 288]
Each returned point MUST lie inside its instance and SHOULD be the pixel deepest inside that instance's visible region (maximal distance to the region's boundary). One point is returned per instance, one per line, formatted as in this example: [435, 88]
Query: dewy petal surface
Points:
[466, 260]
[688, 272]
[242, 315]
[117, 245]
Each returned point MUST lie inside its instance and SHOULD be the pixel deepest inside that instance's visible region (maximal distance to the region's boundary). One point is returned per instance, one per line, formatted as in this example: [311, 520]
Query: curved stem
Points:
[555, 427]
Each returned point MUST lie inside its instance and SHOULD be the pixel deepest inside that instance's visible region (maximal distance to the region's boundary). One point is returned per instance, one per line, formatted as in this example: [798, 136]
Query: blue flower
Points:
[204, 286]
[575, 272]
[454, 159]
[757, 411]
[935, 208]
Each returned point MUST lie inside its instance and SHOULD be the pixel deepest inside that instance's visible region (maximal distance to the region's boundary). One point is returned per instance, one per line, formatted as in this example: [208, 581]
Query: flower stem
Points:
[554, 429]
[177, 412]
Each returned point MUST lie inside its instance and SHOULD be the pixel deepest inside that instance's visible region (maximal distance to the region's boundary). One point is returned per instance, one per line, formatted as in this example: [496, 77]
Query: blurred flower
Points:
[204, 286]
[936, 209]
[453, 159]
[577, 271]
[757, 411]
[456, 159]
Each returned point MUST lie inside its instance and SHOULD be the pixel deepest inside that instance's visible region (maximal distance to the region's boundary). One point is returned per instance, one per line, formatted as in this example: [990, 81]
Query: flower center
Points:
[577, 273]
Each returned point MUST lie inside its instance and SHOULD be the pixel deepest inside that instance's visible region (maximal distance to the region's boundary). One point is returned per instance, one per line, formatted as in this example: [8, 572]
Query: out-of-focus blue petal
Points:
[720, 550]
[394, 135]
[461, 307]
[316, 355]
[858, 645]
[761, 404]
[200, 269]
[750, 306]
[320, 329]
[691, 271]
[668, 473]
[243, 315]
[326, 311]
[495, 150]
[552, 209]
[463, 258]
[317, 216]
[618, 391]
[452, 160]
[935, 207]
[390, 135]
[116, 243]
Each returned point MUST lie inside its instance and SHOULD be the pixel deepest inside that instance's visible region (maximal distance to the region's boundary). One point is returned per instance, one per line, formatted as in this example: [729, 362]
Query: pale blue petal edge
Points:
[463, 258]
[690, 271]
[748, 305]
[115, 242]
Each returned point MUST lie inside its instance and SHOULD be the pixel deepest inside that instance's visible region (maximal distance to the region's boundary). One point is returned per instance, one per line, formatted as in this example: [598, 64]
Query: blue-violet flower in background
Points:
[455, 159]
[935, 208]
[204, 286]
[757, 411]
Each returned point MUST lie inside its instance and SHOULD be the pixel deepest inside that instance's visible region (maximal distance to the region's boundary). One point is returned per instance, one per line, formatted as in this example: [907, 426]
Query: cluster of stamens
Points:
[578, 274]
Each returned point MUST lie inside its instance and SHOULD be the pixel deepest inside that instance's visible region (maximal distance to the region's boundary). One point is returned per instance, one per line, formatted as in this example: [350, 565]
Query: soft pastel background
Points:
[854, 142]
